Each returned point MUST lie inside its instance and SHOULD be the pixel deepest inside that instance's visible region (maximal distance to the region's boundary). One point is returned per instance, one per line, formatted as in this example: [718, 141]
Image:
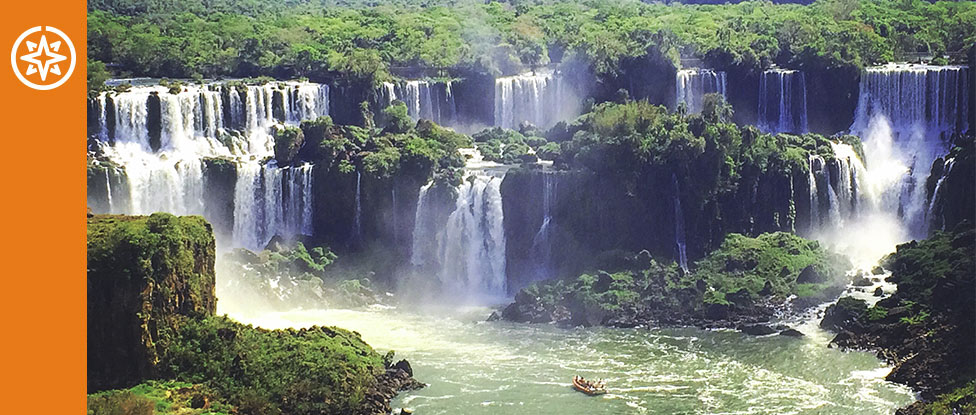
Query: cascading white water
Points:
[428, 100]
[851, 210]
[210, 121]
[933, 215]
[692, 85]
[679, 226]
[782, 101]
[467, 252]
[472, 255]
[261, 207]
[541, 98]
[905, 115]
[541, 243]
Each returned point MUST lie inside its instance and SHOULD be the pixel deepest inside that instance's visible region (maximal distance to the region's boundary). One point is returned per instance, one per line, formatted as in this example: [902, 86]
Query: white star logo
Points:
[45, 57]
[46, 65]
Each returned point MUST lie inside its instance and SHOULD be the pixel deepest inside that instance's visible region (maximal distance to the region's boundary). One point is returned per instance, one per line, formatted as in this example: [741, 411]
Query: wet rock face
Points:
[143, 274]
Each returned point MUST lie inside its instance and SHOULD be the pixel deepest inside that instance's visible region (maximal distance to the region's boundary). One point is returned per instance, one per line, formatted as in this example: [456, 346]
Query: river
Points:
[477, 367]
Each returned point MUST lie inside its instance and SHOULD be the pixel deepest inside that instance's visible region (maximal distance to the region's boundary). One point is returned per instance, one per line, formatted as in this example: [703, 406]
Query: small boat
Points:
[588, 387]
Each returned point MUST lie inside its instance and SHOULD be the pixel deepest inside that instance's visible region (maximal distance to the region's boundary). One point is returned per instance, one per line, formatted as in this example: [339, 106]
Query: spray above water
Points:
[905, 116]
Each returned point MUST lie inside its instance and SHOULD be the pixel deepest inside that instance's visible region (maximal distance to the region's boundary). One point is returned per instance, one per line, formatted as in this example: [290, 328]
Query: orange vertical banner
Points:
[42, 300]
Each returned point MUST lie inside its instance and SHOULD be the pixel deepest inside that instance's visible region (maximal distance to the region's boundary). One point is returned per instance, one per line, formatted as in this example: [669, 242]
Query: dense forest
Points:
[247, 38]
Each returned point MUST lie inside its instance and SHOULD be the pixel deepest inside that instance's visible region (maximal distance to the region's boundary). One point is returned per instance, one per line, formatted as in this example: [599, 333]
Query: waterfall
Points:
[357, 222]
[298, 202]
[692, 85]
[428, 100]
[270, 201]
[816, 164]
[540, 98]
[108, 190]
[541, 243]
[466, 252]
[905, 115]
[162, 139]
[927, 97]
[679, 226]
[782, 101]
[422, 230]
[472, 255]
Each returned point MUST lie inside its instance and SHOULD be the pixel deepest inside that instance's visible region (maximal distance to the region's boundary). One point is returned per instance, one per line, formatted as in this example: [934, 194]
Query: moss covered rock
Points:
[744, 282]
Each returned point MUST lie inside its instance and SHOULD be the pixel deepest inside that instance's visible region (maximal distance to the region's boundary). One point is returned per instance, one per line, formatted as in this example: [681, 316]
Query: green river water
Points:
[475, 367]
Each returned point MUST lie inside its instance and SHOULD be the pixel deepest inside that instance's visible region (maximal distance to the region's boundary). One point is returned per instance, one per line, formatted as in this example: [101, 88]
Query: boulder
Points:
[404, 365]
[861, 281]
[809, 275]
[494, 316]
[844, 314]
[791, 333]
[878, 292]
[757, 329]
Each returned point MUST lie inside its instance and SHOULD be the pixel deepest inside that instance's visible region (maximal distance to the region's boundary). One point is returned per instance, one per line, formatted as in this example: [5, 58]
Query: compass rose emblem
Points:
[43, 57]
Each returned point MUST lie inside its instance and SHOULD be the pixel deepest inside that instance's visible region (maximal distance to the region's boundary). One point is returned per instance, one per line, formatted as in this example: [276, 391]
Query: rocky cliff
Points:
[144, 275]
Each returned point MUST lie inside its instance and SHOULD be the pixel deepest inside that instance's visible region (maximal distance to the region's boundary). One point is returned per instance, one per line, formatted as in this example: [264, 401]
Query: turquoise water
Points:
[474, 367]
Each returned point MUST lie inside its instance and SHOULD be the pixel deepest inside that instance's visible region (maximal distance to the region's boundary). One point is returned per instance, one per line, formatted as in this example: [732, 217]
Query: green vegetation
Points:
[506, 146]
[730, 280]
[639, 143]
[960, 401]
[397, 148]
[144, 275]
[151, 324]
[309, 371]
[926, 326]
[244, 38]
[779, 263]
[303, 277]
[158, 397]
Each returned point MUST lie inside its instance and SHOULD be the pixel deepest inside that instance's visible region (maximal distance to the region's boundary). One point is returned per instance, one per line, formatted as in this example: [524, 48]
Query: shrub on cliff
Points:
[288, 140]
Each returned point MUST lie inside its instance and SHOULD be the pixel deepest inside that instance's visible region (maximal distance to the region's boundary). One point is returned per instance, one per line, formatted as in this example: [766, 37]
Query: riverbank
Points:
[926, 329]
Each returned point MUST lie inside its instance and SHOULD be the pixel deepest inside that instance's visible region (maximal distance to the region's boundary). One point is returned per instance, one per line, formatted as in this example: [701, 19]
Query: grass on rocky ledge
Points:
[158, 397]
